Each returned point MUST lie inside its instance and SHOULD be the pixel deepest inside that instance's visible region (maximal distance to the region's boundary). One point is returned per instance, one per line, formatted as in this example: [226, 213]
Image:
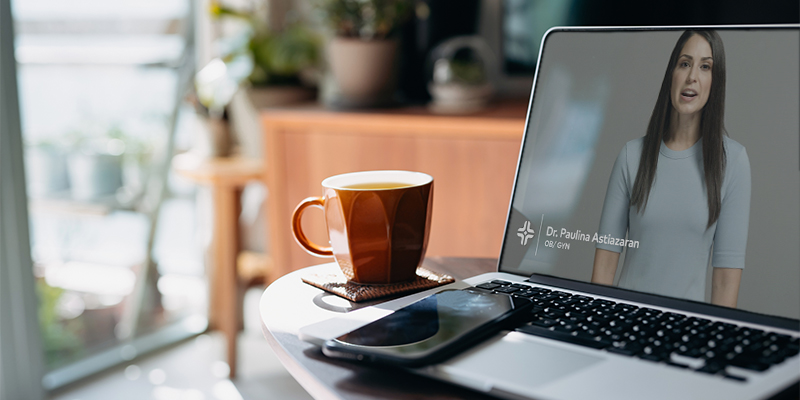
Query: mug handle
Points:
[297, 228]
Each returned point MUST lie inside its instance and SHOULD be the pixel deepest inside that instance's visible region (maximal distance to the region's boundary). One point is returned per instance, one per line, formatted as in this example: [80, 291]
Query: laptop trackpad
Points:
[517, 358]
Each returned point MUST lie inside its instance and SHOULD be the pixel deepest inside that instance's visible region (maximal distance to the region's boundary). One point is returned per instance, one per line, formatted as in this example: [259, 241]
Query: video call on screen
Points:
[595, 95]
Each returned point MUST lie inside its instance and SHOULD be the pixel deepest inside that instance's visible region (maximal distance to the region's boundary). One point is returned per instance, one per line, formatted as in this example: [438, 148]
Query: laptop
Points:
[643, 287]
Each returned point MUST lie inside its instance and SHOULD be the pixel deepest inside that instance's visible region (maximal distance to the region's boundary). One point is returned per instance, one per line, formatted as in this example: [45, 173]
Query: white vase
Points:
[364, 70]
[46, 170]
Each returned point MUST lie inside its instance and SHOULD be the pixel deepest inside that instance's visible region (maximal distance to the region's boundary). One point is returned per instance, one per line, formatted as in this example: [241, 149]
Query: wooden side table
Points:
[226, 177]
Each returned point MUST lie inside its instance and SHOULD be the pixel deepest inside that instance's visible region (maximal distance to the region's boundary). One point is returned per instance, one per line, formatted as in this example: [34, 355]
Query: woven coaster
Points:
[339, 285]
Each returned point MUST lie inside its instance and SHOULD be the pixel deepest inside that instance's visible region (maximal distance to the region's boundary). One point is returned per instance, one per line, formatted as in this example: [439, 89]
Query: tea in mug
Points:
[377, 185]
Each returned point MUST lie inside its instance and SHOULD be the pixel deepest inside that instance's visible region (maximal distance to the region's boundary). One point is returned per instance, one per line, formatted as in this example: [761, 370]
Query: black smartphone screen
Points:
[427, 326]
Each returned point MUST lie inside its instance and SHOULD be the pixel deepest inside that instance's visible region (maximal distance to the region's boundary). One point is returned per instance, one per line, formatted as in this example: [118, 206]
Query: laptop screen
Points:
[665, 162]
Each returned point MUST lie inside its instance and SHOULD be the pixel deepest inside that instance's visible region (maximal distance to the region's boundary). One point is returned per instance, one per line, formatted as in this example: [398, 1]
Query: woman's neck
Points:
[684, 131]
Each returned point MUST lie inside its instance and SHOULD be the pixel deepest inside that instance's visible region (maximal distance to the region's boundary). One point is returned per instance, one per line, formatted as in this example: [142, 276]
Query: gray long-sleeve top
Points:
[675, 244]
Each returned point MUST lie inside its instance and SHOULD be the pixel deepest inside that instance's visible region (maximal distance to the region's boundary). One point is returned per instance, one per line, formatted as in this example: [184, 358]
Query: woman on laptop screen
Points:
[682, 190]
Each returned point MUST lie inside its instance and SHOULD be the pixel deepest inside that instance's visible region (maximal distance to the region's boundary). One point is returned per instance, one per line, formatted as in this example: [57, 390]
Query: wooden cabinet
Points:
[471, 158]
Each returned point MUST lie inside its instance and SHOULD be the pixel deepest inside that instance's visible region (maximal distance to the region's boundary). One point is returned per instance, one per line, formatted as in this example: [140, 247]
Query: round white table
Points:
[289, 304]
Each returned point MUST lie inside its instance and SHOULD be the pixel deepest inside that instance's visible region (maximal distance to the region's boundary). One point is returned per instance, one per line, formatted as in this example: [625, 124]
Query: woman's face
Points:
[691, 78]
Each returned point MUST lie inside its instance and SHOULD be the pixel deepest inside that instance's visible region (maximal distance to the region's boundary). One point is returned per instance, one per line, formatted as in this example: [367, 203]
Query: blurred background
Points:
[126, 108]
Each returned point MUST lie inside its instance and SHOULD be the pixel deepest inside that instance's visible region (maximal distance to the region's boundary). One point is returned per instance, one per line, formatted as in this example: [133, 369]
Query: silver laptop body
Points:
[595, 92]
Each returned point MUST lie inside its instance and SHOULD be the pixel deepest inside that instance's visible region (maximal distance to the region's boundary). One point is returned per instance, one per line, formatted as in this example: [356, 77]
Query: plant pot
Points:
[276, 96]
[46, 169]
[94, 176]
[213, 139]
[364, 70]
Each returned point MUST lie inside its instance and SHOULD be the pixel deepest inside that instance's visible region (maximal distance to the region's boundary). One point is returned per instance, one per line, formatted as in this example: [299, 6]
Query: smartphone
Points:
[431, 329]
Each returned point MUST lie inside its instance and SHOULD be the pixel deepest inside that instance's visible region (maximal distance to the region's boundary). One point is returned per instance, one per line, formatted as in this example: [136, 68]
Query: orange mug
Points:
[378, 223]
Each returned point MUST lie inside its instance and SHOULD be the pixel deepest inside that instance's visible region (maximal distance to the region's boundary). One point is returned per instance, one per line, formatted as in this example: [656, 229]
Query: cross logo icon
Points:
[525, 233]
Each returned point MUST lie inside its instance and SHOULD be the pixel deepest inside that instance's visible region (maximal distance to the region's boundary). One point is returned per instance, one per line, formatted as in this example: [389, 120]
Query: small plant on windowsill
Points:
[107, 165]
[279, 58]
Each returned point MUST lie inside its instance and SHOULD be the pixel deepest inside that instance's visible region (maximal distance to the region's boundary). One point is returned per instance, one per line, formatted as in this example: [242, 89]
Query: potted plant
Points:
[107, 165]
[286, 60]
[363, 53]
[274, 67]
[94, 166]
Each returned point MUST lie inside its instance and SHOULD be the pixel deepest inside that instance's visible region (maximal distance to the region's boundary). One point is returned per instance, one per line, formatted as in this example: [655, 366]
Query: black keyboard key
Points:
[749, 363]
[629, 309]
[617, 308]
[690, 351]
[745, 331]
[652, 357]
[614, 336]
[499, 282]
[579, 339]
[779, 339]
[573, 320]
[545, 322]
[506, 289]
[549, 297]
[569, 301]
[539, 296]
[556, 306]
[773, 359]
[553, 313]
[566, 327]
[621, 351]
[723, 326]
[625, 348]
[593, 306]
[575, 316]
[735, 377]
[619, 326]
[697, 322]
[597, 320]
[712, 368]
[588, 330]
[654, 353]
[536, 302]
[711, 354]
[520, 286]
[604, 302]
[525, 293]
[674, 364]
[488, 286]
[638, 314]
[579, 308]
[643, 329]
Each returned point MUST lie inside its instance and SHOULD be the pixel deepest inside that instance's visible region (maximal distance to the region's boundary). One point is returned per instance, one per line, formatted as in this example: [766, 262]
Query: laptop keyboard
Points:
[672, 338]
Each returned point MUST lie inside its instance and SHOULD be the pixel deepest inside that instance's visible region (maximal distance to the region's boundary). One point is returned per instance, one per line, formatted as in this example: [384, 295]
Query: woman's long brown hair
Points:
[712, 129]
